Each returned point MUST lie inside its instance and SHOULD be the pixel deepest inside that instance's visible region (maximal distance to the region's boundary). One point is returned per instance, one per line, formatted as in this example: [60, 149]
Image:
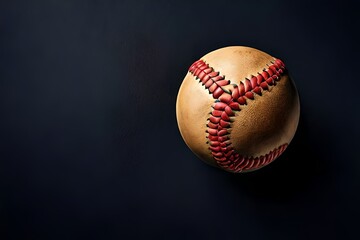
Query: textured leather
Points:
[237, 108]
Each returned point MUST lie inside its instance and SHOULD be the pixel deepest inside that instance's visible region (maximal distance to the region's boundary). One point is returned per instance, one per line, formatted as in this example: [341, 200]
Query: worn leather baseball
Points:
[237, 108]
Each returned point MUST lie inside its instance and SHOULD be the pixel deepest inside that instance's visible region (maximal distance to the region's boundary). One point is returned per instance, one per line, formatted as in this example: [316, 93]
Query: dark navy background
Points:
[89, 145]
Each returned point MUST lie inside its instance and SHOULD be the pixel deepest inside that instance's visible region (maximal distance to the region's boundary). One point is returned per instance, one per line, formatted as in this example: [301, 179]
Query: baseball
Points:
[237, 108]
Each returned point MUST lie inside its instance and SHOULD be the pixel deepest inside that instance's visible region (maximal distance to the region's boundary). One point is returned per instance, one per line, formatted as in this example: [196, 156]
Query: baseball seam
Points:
[227, 102]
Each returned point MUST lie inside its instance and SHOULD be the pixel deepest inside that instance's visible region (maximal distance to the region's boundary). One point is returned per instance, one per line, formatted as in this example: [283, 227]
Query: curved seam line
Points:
[226, 103]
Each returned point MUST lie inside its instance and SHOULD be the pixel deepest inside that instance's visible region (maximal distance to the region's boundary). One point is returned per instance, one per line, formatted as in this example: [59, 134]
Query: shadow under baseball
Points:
[304, 161]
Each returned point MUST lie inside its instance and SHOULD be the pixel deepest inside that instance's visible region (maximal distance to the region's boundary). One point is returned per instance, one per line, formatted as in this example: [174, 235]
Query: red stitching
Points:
[226, 104]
